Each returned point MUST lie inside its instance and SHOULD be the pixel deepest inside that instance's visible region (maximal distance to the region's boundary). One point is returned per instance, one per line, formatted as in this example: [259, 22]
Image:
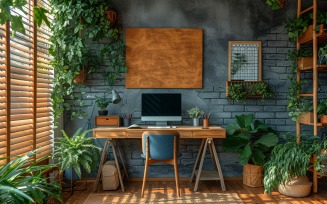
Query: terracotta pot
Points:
[306, 118]
[81, 77]
[111, 15]
[323, 119]
[252, 175]
[281, 3]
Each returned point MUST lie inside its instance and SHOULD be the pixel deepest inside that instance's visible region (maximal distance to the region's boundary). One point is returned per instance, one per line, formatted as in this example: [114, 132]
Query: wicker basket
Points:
[252, 175]
[296, 187]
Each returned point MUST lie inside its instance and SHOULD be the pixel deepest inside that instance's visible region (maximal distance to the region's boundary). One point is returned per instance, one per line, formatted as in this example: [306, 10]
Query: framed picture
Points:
[244, 61]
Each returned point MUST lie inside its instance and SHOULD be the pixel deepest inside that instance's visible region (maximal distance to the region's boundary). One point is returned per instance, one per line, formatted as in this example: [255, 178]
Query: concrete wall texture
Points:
[222, 21]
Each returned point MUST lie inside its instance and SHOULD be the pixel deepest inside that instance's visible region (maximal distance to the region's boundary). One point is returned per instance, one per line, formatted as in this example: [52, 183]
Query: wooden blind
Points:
[25, 119]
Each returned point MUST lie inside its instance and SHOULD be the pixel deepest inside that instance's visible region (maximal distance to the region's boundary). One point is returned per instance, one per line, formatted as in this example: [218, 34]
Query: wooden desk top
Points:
[184, 131]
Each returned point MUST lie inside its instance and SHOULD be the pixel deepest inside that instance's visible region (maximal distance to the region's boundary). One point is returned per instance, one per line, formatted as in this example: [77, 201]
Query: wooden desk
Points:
[189, 132]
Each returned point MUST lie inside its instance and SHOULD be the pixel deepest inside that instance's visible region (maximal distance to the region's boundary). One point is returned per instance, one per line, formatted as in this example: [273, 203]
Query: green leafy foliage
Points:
[251, 138]
[322, 108]
[76, 25]
[238, 62]
[6, 6]
[301, 106]
[323, 54]
[261, 89]
[274, 4]
[237, 92]
[288, 160]
[195, 112]
[102, 102]
[296, 27]
[76, 151]
[26, 184]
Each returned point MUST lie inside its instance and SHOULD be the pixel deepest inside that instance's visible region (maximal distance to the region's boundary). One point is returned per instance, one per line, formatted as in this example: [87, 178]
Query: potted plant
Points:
[301, 111]
[287, 166]
[75, 152]
[322, 111]
[195, 113]
[276, 4]
[296, 27]
[102, 103]
[21, 181]
[111, 15]
[236, 91]
[260, 89]
[252, 140]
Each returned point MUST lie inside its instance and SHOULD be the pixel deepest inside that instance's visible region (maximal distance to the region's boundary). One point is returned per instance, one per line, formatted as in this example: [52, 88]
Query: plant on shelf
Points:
[322, 54]
[262, 89]
[21, 181]
[296, 27]
[236, 91]
[76, 25]
[102, 103]
[75, 152]
[322, 111]
[276, 4]
[195, 113]
[253, 141]
[297, 110]
[288, 164]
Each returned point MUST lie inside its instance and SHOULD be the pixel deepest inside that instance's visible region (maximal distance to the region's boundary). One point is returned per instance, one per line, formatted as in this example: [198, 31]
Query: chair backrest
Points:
[161, 144]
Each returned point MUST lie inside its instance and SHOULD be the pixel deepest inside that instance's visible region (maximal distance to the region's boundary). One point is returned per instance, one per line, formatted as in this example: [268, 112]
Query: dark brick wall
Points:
[222, 21]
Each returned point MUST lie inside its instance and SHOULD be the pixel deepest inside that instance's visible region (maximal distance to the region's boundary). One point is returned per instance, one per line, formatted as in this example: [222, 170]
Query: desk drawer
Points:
[107, 121]
[185, 134]
[108, 134]
[208, 134]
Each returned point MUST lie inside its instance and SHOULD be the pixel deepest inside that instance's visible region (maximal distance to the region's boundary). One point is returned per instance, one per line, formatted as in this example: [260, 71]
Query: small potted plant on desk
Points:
[253, 140]
[195, 113]
[102, 103]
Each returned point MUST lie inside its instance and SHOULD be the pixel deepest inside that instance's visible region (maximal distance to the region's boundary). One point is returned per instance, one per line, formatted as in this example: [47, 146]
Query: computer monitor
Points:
[161, 107]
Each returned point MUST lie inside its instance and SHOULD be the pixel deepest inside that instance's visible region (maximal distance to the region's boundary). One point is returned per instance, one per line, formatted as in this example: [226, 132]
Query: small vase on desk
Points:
[196, 122]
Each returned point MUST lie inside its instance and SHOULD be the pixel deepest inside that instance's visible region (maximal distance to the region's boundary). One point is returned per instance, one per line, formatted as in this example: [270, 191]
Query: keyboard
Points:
[160, 127]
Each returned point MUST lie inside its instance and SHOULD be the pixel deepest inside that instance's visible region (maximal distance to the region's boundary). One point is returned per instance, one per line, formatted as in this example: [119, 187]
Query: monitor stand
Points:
[161, 123]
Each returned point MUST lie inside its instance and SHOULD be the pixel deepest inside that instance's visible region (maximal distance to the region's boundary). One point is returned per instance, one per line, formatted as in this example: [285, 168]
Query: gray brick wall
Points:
[222, 21]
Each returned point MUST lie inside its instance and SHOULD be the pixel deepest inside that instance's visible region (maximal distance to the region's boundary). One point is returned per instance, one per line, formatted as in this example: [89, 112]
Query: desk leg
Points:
[198, 175]
[221, 178]
[197, 160]
[117, 166]
[104, 153]
[122, 158]
[212, 156]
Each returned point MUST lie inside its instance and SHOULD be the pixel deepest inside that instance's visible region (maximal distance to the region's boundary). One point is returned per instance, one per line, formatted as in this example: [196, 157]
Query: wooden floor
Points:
[247, 194]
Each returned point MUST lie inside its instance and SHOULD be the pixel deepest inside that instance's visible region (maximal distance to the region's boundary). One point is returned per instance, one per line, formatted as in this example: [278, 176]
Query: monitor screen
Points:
[161, 107]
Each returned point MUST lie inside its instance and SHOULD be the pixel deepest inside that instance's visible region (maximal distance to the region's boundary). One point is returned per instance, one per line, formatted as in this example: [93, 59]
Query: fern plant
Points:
[288, 160]
[25, 184]
[76, 151]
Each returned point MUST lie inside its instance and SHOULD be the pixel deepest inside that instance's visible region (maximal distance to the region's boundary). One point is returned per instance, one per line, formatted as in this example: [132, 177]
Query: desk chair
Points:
[160, 146]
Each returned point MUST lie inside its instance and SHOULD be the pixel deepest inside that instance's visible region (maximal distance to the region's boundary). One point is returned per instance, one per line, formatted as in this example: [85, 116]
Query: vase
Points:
[205, 123]
[196, 122]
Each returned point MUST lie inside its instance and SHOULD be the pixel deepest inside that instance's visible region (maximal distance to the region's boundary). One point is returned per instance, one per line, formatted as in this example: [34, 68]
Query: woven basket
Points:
[252, 175]
[296, 187]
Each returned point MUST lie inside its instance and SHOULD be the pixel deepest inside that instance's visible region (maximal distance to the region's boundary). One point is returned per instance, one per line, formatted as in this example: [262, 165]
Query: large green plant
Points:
[76, 25]
[288, 160]
[76, 151]
[251, 138]
[26, 184]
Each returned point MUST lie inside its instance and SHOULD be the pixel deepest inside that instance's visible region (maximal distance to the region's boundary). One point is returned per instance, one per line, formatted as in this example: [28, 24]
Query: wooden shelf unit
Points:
[313, 38]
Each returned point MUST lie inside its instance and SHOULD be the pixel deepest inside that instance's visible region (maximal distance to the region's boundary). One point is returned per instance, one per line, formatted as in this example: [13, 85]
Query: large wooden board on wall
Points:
[164, 58]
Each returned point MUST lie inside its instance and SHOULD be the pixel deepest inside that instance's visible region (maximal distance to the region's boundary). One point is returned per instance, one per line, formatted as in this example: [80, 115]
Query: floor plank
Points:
[247, 194]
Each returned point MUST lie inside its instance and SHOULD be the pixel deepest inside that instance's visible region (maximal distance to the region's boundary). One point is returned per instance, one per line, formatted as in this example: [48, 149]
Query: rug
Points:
[156, 197]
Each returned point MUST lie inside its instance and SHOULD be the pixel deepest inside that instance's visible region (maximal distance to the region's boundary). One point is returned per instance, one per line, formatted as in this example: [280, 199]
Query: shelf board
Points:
[320, 125]
[306, 64]
[306, 38]
[206, 175]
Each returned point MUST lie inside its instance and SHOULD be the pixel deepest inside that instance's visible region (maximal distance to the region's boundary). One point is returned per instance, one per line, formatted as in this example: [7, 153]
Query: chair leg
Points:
[177, 178]
[144, 177]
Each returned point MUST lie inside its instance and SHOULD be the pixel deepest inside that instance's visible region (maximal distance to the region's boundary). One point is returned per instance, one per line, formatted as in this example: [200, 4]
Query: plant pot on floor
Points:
[71, 174]
[103, 112]
[252, 175]
[297, 187]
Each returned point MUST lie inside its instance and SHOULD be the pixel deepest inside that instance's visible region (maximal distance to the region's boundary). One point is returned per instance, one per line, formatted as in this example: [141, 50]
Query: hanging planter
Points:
[111, 15]
[81, 77]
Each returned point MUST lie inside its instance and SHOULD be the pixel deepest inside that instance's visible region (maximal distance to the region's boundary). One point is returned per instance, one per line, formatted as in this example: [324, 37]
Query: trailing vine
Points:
[76, 25]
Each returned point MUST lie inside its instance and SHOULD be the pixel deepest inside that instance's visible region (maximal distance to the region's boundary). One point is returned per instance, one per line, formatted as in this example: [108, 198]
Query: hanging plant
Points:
[76, 25]
[276, 4]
